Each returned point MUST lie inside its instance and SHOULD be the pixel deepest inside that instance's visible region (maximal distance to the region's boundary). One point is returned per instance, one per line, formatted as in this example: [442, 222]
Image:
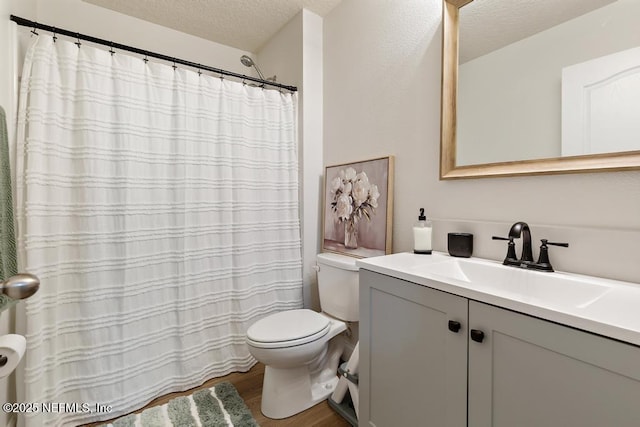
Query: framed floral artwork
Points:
[358, 208]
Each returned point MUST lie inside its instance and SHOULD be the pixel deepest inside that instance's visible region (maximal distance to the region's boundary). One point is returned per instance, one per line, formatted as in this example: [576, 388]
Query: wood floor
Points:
[249, 386]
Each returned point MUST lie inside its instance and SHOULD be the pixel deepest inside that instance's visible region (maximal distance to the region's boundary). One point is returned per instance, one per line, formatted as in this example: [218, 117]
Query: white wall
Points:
[382, 96]
[312, 169]
[519, 86]
[294, 54]
[76, 15]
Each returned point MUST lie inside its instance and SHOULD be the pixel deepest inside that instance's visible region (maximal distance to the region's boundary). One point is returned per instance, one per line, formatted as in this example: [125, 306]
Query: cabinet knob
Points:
[454, 326]
[477, 335]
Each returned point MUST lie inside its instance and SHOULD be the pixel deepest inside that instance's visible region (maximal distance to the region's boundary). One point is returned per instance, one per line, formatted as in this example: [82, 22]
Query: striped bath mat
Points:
[220, 405]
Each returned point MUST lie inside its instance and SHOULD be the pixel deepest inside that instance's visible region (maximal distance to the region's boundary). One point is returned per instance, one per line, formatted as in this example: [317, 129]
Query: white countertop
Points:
[613, 312]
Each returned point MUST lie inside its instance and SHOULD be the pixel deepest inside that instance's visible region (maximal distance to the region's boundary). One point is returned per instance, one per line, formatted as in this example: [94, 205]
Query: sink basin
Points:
[603, 306]
[534, 287]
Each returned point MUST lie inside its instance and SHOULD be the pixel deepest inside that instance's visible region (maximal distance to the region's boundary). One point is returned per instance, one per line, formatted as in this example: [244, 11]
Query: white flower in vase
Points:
[353, 197]
[343, 208]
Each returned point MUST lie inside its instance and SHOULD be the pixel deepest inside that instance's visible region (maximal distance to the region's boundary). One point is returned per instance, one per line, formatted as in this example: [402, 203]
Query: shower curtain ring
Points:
[78, 42]
[174, 65]
[199, 70]
[33, 31]
[111, 51]
[145, 59]
[54, 35]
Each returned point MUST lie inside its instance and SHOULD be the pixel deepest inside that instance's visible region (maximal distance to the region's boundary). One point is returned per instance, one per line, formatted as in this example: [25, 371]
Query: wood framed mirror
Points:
[451, 166]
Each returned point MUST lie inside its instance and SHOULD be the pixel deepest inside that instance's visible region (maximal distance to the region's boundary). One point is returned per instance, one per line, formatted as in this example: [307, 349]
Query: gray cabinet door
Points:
[413, 369]
[529, 372]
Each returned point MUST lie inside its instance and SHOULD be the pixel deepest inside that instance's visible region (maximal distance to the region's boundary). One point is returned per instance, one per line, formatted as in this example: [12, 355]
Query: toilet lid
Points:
[281, 329]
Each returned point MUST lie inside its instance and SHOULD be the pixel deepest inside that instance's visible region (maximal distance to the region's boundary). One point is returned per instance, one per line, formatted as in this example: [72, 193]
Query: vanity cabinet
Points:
[529, 372]
[413, 369]
[505, 368]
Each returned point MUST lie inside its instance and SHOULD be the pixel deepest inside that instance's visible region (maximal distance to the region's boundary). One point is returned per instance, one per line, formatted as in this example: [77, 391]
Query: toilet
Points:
[301, 349]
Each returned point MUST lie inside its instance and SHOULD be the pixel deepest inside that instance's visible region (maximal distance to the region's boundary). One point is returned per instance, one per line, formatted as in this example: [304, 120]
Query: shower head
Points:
[248, 62]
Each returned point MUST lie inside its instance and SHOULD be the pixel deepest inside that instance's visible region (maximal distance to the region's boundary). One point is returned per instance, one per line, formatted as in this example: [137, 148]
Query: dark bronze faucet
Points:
[522, 228]
[526, 260]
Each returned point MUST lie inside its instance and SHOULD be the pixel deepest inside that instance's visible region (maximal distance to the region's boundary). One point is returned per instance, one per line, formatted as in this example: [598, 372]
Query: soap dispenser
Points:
[422, 235]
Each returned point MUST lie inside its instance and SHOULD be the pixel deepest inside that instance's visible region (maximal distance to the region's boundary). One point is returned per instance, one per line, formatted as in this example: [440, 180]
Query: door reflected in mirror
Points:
[540, 87]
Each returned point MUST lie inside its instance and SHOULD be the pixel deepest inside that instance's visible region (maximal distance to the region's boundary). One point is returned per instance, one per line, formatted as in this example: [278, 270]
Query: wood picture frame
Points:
[358, 208]
[609, 162]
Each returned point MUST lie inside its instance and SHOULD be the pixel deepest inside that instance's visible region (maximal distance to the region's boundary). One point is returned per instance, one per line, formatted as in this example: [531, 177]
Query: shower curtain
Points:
[159, 208]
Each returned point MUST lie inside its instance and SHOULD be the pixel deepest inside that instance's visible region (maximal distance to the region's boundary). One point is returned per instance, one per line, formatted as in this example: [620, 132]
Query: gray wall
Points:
[382, 96]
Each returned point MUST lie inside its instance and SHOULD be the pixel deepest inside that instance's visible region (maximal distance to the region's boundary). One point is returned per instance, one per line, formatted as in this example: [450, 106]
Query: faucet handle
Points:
[511, 258]
[543, 263]
[546, 242]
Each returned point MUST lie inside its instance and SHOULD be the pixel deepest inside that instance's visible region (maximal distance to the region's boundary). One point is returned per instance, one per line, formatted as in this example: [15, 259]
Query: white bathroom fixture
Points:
[602, 306]
[497, 345]
[301, 349]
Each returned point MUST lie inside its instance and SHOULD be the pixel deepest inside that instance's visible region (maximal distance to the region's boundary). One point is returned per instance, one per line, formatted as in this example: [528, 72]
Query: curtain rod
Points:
[35, 25]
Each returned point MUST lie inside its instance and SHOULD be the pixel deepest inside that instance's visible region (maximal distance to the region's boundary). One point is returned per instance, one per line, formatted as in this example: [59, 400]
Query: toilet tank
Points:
[338, 286]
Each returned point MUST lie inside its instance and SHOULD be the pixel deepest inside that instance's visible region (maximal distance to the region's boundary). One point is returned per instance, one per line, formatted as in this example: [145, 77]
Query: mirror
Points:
[493, 100]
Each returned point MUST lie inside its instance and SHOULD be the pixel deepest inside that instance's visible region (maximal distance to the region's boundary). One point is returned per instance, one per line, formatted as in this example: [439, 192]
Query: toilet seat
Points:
[287, 329]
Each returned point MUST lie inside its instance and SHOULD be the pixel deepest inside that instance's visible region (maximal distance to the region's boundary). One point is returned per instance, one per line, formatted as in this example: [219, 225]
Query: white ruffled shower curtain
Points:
[159, 208]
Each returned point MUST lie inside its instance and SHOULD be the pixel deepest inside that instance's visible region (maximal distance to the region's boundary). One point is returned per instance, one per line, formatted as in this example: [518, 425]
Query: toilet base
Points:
[289, 391]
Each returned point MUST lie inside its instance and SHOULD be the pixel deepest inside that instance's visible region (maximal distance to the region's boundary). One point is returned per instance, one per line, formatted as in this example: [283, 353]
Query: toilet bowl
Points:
[301, 349]
[298, 360]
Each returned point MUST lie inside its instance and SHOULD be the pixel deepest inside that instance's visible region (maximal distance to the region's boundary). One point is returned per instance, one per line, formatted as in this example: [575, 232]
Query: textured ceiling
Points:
[243, 24]
[487, 25]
